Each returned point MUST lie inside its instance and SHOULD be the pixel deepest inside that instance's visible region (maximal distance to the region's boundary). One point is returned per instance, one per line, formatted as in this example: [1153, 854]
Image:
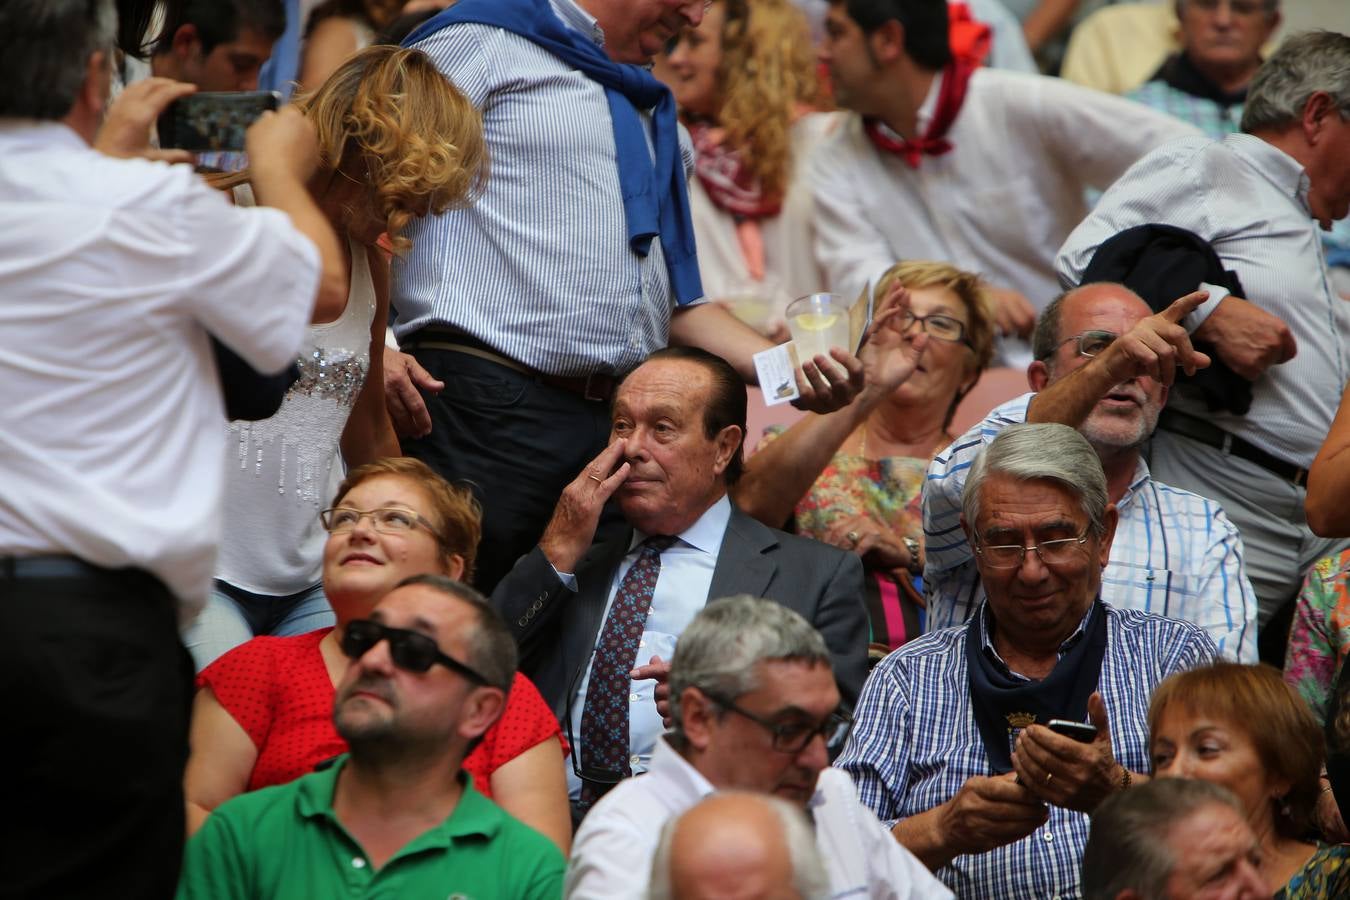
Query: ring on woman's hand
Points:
[852, 538]
[590, 473]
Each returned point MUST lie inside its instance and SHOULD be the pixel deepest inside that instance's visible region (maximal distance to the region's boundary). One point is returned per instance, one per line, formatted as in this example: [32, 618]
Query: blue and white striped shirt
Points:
[915, 742]
[539, 267]
[1175, 553]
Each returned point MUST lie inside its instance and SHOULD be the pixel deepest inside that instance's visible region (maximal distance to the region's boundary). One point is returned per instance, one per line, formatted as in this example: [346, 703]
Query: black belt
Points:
[64, 568]
[1214, 436]
[598, 387]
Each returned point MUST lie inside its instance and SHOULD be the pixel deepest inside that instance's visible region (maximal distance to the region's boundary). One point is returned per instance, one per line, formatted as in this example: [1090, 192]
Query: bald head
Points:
[1051, 328]
[1083, 321]
[738, 846]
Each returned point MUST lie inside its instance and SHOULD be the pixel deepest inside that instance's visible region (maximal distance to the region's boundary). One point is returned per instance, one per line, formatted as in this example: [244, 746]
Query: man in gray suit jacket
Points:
[597, 622]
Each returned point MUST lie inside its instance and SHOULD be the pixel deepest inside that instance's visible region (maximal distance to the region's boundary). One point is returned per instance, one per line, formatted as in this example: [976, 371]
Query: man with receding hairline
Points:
[738, 845]
[598, 618]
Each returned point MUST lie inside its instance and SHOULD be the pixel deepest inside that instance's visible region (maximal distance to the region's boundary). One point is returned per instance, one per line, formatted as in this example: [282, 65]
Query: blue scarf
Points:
[655, 200]
[1003, 706]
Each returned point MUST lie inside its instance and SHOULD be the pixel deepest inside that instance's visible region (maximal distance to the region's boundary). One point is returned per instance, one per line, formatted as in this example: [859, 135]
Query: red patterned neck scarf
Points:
[970, 42]
[722, 171]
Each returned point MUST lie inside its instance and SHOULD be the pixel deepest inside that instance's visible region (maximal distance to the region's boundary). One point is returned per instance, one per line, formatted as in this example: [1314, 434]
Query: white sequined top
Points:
[283, 470]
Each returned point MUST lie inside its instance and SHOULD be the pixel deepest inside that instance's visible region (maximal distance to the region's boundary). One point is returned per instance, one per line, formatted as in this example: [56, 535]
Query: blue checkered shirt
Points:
[1175, 553]
[915, 742]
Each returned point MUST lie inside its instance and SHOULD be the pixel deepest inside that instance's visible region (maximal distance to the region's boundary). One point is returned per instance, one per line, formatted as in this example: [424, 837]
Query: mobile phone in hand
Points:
[213, 120]
[1079, 731]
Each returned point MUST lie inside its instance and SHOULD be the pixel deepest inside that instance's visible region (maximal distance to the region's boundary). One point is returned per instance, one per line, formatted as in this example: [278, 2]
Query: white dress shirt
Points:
[612, 853]
[1025, 147]
[112, 437]
[681, 592]
[1250, 201]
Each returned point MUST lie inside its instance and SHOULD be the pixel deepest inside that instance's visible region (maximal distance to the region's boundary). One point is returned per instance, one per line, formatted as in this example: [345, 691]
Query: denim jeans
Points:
[233, 615]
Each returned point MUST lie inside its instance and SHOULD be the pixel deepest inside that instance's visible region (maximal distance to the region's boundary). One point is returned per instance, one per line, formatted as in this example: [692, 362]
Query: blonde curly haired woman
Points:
[396, 141]
[745, 81]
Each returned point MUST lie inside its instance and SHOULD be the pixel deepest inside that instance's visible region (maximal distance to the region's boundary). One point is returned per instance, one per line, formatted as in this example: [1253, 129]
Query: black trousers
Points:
[97, 692]
[515, 440]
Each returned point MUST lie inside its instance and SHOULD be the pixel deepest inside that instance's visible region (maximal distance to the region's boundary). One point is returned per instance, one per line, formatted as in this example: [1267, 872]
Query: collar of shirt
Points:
[922, 117]
[1179, 72]
[473, 816]
[687, 783]
[1274, 165]
[705, 534]
[576, 18]
[1141, 477]
[20, 133]
[987, 641]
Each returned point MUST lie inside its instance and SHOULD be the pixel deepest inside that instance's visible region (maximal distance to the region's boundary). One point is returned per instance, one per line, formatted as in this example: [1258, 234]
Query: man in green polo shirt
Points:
[395, 817]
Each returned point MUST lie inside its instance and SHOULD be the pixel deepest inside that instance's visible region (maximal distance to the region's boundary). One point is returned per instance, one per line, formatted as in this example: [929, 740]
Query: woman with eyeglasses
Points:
[854, 478]
[264, 711]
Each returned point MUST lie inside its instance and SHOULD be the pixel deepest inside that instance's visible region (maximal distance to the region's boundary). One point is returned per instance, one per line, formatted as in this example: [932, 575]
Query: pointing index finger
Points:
[1184, 306]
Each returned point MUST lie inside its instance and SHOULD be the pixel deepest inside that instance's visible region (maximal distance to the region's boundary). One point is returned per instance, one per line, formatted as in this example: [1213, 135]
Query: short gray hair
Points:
[718, 651]
[1305, 63]
[808, 870]
[1129, 841]
[492, 648]
[1041, 452]
[45, 46]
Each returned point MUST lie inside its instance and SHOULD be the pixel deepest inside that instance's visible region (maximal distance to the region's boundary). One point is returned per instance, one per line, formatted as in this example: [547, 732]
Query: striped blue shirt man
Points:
[539, 267]
[915, 742]
[1175, 553]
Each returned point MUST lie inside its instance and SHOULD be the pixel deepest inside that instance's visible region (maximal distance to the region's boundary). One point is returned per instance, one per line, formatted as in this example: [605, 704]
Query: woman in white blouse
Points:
[396, 141]
[745, 80]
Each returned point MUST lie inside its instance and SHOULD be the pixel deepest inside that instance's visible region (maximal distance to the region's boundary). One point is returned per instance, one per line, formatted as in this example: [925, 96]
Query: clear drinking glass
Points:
[818, 322]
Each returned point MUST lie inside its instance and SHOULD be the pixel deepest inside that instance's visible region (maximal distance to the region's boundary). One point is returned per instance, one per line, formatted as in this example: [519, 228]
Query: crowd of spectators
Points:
[382, 515]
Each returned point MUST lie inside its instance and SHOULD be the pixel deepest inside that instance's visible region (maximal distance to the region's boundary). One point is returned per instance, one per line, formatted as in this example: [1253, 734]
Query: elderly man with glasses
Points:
[1103, 365]
[397, 816]
[984, 746]
[754, 707]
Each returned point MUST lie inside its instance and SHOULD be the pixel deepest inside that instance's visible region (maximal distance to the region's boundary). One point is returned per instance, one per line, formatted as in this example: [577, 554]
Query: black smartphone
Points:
[1079, 731]
[213, 120]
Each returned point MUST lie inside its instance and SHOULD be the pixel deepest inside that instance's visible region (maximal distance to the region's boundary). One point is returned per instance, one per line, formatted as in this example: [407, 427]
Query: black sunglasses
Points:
[409, 650]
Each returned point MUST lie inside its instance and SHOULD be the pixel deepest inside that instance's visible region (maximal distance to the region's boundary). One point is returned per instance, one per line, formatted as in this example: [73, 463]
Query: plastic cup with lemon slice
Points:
[817, 323]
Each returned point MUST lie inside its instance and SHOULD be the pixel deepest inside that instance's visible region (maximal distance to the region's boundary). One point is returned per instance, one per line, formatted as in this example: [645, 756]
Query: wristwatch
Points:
[913, 547]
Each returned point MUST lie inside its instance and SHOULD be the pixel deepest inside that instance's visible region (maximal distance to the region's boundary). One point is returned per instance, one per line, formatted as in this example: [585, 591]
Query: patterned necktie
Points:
[604, 717]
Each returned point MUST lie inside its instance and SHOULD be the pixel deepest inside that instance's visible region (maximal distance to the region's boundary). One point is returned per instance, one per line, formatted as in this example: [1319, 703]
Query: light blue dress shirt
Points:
[681, 591]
